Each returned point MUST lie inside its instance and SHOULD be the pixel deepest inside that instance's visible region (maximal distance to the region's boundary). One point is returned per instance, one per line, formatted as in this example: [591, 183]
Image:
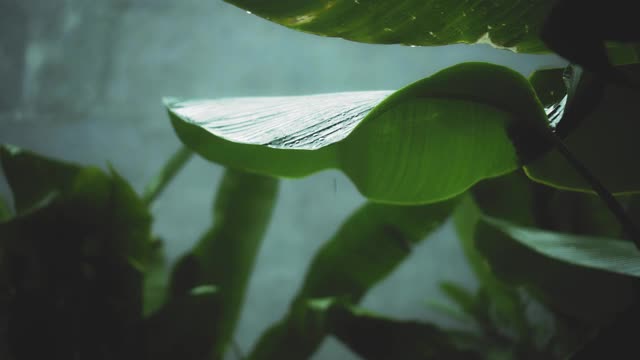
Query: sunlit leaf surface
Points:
[425, 143]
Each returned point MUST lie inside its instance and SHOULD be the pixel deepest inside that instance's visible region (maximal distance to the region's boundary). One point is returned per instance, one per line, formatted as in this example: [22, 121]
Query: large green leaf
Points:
[366, 248]
[223, 257]
[425, 143]
[74, 256]
[375, 337]
[502, 23]
[587, 293]
[605, 141]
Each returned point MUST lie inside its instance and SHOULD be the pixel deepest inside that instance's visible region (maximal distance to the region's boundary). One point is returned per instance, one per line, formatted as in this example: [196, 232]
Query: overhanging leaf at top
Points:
[427, 142]
[502, 23]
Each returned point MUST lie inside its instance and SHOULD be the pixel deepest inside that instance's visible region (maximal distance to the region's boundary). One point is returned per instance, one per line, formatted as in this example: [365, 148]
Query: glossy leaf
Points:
[376, 337]
[605, 142]
[586, 293]
[366, 248]
[504, 24]
[425, 143]
[224, 258]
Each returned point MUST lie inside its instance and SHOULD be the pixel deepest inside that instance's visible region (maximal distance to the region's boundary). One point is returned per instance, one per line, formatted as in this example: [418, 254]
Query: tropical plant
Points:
[538, 174]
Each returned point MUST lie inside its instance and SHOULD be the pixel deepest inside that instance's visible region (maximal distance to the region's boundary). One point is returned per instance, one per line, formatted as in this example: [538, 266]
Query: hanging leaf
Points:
[605, 142]
[503, 24]
[366, 248]
[425, 143]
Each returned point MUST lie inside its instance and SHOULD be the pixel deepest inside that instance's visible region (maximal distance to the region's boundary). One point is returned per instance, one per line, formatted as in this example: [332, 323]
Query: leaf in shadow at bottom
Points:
[223, 258]
[185, 326]
[589, 295]
[74, 255]
[5, 212]
[366, 248]
[378, 338]
[71, 295]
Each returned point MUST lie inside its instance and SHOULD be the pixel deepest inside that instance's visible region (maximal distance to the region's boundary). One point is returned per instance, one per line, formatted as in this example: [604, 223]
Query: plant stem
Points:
[166, 174]
[614, 206]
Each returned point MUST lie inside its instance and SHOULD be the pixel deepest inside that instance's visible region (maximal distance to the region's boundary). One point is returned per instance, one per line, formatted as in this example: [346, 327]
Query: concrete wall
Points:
[82, 80]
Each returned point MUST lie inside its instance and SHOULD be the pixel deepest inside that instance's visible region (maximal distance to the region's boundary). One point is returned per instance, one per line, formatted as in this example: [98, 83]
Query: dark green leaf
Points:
[223, 258]
[32, 177]
[5, 212]
[156, 279]
[506, 24]
[375, 337]
[504, 300]
[604, 254]
[184, 328]
[75, 292]
[459, 295]
[368, 246]
[588, 294]
[427, 142]
[605, 142]
[569, 31]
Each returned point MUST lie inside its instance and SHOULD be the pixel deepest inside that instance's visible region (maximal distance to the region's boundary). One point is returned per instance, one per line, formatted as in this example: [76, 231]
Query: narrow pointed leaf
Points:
[610, 255]
[367, 247]
[605, 142]
[376, 337]
[425, 143]
[224, 257]
[505, 24]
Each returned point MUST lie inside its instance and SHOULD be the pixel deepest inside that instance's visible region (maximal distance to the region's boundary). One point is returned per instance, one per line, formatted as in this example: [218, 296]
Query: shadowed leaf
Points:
[366, 248]
[605, 141]
[375, 337]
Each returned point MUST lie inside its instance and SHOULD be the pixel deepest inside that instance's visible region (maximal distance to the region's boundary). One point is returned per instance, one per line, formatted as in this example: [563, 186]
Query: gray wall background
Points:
[83, 80]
